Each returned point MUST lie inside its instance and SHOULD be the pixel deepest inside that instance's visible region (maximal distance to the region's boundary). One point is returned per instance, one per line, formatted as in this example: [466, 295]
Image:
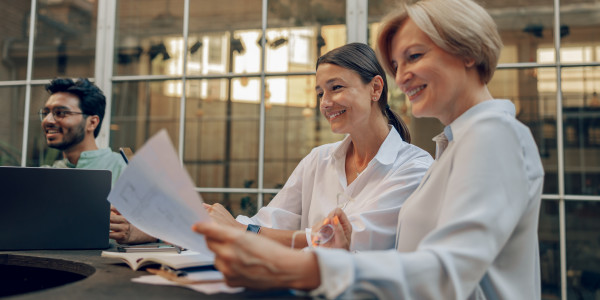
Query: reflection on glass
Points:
[583, 249]
[222, 39]
[14, 40]
[579, 31]
[208, 53]
[300, 31]
[149, 41]
[11, 125]
[140, 109]
[38, 153]
[548, 235]
[65, 39]
[581, 121]
[205, 124]
[534, 95]
[221, 148]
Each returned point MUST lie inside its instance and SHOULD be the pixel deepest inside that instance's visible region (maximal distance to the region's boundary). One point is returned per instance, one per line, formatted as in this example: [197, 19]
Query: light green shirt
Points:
[101, 159]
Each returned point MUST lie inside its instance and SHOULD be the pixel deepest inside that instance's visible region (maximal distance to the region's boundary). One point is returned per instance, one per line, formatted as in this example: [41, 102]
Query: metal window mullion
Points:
[560, 153]
[105, 40]
[581, 198]
[261, 130]
[25, 141]
[182, 104]
[207, 76]
[356, 21]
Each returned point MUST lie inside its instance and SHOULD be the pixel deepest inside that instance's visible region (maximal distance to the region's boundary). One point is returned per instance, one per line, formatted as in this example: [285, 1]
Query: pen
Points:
[178, 276]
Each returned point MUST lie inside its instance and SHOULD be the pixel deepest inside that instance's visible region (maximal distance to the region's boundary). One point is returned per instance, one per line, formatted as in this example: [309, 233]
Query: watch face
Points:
[253, 228]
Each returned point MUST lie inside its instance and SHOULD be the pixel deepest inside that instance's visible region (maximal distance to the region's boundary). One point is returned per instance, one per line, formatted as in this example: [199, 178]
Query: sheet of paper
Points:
[156, 194]
[207, 288]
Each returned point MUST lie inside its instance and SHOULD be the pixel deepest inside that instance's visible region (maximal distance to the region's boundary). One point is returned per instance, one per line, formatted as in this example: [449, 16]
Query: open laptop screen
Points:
[49, 208]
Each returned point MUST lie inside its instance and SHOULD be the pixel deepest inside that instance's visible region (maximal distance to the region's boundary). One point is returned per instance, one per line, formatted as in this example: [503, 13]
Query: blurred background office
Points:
[233, 83]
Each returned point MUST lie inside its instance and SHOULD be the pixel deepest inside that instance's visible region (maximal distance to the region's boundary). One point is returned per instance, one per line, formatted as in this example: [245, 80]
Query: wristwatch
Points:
[253, 228]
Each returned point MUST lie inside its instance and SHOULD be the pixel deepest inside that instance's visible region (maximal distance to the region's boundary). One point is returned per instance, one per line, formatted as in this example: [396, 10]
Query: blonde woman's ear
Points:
[469, 62]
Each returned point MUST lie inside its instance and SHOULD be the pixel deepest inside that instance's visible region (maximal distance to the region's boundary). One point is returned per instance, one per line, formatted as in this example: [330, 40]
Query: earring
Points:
[374, 98]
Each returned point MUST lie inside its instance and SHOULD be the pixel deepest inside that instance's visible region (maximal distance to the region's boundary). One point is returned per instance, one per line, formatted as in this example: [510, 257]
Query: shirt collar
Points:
[94, 153]
[385, 155]
[87, 155]
[463, 121]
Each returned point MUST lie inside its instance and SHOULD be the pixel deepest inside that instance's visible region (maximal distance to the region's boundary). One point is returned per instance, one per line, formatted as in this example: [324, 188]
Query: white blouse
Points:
[310, 193]
[470, 229]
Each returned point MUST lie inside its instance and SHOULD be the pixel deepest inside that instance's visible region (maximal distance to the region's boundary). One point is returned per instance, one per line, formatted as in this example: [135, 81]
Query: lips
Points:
[52, 132]
[413, 92]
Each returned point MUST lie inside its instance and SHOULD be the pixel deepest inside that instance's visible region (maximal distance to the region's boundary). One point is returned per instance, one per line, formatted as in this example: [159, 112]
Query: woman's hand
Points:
[252, 261]
[124, 232]
[342, 230]
[220, 215]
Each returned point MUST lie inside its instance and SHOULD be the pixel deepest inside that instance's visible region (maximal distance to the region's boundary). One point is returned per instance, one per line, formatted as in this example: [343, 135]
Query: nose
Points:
[403, 76]
[49, 118]
[326, 101]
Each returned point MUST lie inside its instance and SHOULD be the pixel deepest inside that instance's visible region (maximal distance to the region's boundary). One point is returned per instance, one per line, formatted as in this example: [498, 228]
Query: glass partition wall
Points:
[232, 82]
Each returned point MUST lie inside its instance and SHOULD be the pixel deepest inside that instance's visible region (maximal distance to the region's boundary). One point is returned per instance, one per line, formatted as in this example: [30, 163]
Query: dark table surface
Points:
[109, 278]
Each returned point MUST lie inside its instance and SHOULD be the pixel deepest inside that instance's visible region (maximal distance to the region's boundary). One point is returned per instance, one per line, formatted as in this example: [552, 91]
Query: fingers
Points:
[114, 210]
[118, 219]
[208, 207]
[119, 232]
[117, 236]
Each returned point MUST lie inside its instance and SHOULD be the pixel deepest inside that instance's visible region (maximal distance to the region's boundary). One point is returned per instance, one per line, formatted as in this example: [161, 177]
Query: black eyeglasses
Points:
[57, 113]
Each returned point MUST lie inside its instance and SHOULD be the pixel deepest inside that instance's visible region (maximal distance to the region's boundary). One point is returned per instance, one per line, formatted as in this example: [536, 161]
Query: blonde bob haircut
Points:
[460, 27]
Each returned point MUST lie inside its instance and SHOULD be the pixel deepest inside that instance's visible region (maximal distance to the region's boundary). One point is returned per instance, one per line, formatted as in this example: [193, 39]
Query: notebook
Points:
[49, 208]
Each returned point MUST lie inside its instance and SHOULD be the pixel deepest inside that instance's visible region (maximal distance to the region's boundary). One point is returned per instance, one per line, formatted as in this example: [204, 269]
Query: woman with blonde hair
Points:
[469, 231]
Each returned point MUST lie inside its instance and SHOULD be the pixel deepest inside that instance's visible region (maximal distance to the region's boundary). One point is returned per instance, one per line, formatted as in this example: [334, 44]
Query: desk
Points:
[109, 280]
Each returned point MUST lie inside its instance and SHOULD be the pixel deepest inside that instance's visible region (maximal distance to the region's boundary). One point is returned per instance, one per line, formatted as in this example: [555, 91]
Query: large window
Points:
[233, 83]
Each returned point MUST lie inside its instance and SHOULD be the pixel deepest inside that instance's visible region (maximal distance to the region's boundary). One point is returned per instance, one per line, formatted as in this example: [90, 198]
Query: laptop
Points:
[49, 208]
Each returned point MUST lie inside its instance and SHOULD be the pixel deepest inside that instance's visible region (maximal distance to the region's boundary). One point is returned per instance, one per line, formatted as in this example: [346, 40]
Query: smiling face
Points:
[434, 80]
[345, 99]
[71, 130]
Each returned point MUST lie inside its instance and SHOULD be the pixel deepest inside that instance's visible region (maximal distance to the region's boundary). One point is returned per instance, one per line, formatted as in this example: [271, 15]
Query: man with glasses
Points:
[71, 120]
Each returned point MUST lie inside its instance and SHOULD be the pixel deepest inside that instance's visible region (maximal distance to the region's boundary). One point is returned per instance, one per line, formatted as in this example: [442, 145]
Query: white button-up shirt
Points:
[310, 193]
[470, 229]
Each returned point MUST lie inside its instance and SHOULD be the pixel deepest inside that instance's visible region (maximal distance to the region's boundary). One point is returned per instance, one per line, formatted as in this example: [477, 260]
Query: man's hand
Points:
[256, 262]
[219, 214]
[124, 232]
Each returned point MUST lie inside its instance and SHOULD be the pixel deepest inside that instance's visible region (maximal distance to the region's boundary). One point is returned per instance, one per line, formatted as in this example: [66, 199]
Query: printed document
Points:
[156, 194]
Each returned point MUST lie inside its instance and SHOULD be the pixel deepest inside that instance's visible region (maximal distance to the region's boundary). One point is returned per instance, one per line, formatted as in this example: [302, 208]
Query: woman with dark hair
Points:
[469, 231]
[370, 173]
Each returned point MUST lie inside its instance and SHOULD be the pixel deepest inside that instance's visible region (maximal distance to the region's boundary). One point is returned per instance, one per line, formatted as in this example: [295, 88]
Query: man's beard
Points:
[74, 137]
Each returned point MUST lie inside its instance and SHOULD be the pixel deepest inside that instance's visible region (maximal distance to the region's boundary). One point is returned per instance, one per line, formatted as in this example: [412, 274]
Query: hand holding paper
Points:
[156, 194]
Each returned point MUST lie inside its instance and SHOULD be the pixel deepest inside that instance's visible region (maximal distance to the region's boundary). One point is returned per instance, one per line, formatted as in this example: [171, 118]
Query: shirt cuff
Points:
[308, 232]
[337, 272]
[245, 220]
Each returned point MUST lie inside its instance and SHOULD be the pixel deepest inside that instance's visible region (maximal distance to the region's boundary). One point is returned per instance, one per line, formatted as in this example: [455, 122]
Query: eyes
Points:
[410, 58]
[414, 57]
[335, 87]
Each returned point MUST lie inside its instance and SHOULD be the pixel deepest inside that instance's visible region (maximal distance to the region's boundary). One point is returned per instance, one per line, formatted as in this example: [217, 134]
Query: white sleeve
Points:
[285, 210]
